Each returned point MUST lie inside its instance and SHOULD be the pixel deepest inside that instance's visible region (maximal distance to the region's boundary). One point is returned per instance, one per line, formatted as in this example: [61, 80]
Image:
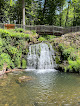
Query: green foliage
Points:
[12, 48]
[46, 37]
[74, 65]
[71, 55]
[66, 52]
[5, 58]
[49, 37]
[42, 39]
[17, 60]
[58, 60]
[8, 33]
[61, 47]
[19, 29]
[34, 32]
[39, 12]
[24, 64]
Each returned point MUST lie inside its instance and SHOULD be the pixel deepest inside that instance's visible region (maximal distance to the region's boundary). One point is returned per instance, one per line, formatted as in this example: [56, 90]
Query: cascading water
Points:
[40, 56]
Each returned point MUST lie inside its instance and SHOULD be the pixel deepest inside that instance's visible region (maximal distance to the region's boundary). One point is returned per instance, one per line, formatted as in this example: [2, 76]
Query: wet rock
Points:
[25, 78]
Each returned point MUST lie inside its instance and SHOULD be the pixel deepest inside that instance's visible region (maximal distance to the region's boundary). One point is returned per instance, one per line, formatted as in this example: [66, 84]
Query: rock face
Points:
[25, 78]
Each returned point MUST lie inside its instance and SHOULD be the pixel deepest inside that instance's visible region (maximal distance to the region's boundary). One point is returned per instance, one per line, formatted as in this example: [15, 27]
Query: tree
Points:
[69, 1]
[23, 6]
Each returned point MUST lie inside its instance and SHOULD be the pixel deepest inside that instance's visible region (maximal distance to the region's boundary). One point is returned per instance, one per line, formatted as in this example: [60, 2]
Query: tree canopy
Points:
[41, 12]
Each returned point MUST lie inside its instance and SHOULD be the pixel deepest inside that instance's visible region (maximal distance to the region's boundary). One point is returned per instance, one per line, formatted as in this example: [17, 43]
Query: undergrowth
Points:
[72, 55]
[12, 48]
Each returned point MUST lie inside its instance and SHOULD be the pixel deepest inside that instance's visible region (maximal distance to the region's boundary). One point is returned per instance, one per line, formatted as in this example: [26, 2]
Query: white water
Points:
[40, 56]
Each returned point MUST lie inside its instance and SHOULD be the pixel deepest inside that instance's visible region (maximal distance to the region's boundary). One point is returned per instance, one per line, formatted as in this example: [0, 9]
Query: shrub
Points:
[61, 47]
[73, 65]
[5, 58]
[73, 55]
[7, 33]
[34, 32]
[19, 29]
[12, 50]
[66, 52]
[49, 37]
[42, 39]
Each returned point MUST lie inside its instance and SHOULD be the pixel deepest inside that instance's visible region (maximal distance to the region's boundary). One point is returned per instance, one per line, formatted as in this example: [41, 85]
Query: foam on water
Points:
[41, 71]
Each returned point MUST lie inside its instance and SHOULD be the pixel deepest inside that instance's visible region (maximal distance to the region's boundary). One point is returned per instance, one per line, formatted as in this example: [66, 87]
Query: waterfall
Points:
[40, 56]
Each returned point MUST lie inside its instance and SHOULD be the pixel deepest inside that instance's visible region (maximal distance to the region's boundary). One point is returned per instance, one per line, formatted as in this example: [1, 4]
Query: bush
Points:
[42, 39]
[7, 33]
[34, 32]
[17, 60]
[48, 37]
[19, 29]
[66, 52]
[5, 58]
[75, 65]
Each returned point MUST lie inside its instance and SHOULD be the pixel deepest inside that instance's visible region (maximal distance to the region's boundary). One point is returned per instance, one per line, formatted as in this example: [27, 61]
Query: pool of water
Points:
[47, 88]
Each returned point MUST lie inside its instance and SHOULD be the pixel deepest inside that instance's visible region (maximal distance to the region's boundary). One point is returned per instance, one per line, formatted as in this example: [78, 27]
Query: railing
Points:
[47, 29]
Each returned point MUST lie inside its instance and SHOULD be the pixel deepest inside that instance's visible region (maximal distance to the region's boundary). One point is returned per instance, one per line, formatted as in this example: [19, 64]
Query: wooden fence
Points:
[47, 29]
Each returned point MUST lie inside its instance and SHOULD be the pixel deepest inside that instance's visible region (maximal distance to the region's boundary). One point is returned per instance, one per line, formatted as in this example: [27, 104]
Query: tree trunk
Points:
[74, 20]
[44, 9]
[67, 15]
[24, 14]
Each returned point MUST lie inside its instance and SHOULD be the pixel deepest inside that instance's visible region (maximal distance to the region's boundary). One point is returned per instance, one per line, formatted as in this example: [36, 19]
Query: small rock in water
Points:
[25, 78]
